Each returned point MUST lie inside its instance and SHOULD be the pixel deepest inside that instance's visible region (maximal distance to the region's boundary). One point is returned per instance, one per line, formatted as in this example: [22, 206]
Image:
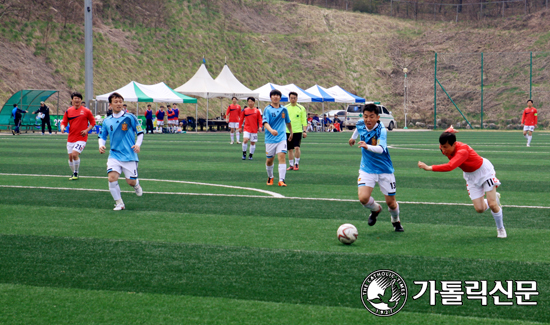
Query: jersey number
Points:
[78, 147]
[392, 185]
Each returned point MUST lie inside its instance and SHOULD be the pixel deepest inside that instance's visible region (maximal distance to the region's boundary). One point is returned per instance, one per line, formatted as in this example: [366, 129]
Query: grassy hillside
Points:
[262, 41]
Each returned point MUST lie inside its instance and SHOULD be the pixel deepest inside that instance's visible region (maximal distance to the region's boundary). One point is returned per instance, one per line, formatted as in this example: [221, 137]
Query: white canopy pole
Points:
[197, 117]
[207, 114]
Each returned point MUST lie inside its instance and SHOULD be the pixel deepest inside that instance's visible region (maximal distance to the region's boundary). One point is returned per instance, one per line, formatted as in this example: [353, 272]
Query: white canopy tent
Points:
[229, 81]
[303, 95]
[321, 92]
[342, 96]
[263, 92]
[203, 85]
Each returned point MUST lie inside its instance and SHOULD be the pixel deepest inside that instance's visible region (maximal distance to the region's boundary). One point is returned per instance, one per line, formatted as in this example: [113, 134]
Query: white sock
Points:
[282, 172]
[291, 162]
[529, 137]
[525, 136]
[232, 136]
[244, 147]
[252, 148]
[115, 190]
[71, 164]
[76, 165]
[137, 184]
[394, 214]
[238, 136]
[498, 219]
[297, 161]
[269, 170]
[486, 205]
[372, 205]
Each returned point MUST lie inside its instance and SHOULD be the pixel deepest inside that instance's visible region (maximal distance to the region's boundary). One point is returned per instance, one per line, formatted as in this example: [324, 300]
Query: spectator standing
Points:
[16, 113]
[44, 114]
[149, 119]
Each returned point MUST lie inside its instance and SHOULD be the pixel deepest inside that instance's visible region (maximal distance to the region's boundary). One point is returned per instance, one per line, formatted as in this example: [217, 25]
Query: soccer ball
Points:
[347, 233]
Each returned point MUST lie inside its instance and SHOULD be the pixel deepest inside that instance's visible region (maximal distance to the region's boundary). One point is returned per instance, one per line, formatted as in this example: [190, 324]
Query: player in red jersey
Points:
[81, 121]
[232, 117]
[251, 118]
[479, 174]
[529, 121]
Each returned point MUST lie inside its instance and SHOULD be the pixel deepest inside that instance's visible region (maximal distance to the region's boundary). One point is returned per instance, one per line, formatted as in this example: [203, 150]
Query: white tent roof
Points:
[342, 96]
[263, 92]
[202, 85]
[229, 81]
[320, 92]
[303, 96]
[136, 92]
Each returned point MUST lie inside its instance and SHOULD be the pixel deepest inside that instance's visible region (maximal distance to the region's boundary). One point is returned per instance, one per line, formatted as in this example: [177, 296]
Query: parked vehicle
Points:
[355, 111]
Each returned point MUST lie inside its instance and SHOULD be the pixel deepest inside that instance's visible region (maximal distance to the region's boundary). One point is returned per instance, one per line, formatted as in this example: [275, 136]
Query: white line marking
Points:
[162, 180]
[420, 149]
[260, 197]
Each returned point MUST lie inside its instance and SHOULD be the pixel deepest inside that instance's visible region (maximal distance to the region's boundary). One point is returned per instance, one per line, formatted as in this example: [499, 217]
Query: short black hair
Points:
[293, 93]
[115, 95]
[447, 137]
[14, 105]
[148, 105]
[251, 98]
[275, 92]
[234, 97]
[371, 108]
[76, 94]
[124, 104]
[530, 100]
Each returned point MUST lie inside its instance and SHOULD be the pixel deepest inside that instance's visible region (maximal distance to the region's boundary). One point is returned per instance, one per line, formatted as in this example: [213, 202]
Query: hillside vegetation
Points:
[262, 41]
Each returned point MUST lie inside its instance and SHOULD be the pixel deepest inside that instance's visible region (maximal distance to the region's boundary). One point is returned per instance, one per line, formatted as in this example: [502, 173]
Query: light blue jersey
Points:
[277, 119]
[374, 163]
[122, 131]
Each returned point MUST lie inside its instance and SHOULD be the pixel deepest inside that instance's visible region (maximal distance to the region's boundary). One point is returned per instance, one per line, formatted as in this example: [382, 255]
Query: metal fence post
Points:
[531, 73]
[435, 92]
[482, 90]
[456, 20]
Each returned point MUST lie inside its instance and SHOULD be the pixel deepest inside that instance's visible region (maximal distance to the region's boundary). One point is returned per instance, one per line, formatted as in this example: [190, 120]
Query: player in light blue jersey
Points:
[275, 120]
[376, 166]
[121, 128]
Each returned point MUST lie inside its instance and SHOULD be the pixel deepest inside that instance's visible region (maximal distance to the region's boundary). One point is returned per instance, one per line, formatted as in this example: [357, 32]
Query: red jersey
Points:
[234, 111]
[253, 120]
[78, 120]
[529, 116]
[464, 157]
[171, 115]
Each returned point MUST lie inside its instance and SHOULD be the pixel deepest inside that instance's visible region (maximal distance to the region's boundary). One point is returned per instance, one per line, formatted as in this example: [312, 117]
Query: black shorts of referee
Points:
[296, 141]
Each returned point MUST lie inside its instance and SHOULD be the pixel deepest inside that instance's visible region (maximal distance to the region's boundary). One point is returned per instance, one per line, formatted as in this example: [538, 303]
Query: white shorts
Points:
[271, 149]
[529, 128]
[482, 180]
[385, 181]
[76, 146]
[130, 168]
[252, 136]
[160, 123]
[233, 125]
[173, 122]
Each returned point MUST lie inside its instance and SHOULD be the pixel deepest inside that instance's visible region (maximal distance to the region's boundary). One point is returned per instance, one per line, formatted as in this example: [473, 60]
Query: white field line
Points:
[420, 149]
[162, 180]
[259, 196]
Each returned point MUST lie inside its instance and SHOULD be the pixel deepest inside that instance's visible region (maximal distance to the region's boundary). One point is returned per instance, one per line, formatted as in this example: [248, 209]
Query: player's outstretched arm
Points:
[270, 130]
[422, 165]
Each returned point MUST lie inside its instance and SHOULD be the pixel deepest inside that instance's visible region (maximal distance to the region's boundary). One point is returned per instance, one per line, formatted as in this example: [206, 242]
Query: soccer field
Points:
[210, 242]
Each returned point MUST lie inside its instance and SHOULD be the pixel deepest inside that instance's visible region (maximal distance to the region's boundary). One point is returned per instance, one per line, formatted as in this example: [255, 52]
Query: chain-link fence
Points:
[490, 90]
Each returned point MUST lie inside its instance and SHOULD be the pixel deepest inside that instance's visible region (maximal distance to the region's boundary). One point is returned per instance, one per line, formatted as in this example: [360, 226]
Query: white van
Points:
[355, 111]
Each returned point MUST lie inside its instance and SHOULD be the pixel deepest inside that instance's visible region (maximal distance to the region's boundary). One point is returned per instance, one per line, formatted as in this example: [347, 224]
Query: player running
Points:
[274, 119]
[529, 120]
[479, 174]
[251, 118]
[298, 118]
[376, 166]
[232, 117]
[81, 121]
[122, 129]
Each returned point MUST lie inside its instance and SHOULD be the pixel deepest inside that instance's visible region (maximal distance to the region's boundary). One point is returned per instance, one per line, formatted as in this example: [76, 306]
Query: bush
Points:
[368, 6]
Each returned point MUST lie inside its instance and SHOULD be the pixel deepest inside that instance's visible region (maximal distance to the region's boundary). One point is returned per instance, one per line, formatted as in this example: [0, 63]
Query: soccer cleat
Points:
[373, 215]
[119, 206]
[244, 156]
[74, 177]
[13, 132]
[296, 167]
[290, 168]
[498, 200]
[501, 233]
[528, 145]
[250, 157]
[238, 142]
[270, 181]
[397, 226]
[231, 142]
[139, 190]
[282, 183]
